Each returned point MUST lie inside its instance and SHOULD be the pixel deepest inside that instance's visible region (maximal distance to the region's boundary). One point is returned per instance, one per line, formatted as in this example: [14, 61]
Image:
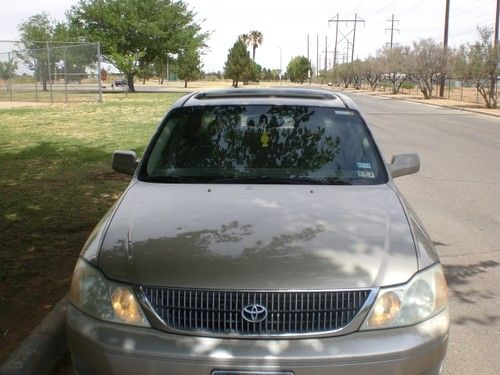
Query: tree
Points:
[238, 62]
[479, 63]
[298, 69]
[427, 65]
[372, 72]
[254, 39]
[41, 38]
[252, 73]
[146, 72]
[349, 74]
[396, 66]
[134, 34]
[7, 70]
[34, 34]
[189, 65]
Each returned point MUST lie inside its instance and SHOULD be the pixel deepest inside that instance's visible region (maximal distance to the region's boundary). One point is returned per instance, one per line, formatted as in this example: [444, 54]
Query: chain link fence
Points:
[51, 72]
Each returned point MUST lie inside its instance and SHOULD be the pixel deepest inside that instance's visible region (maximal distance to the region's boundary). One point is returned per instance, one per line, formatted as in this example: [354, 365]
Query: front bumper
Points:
[106, 348]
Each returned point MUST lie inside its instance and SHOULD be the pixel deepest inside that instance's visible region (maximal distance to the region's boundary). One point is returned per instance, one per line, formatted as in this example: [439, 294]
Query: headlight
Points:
[103, 299]
[424, 296]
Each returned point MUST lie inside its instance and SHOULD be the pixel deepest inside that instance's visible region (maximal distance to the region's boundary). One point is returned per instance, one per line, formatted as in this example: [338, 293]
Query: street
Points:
[456, 195]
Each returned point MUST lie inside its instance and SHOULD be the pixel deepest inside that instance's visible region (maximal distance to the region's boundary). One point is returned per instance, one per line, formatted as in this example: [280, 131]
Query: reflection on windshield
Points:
[273, 144]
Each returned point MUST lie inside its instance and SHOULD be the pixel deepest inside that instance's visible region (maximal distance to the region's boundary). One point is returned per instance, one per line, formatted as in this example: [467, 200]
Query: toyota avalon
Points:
[261, 233]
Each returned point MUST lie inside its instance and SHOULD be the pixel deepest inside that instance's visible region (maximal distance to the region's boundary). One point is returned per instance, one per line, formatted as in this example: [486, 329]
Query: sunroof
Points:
[302, 94]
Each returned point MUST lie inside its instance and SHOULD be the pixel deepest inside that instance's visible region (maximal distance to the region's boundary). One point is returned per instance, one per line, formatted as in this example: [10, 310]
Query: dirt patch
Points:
[9, 105]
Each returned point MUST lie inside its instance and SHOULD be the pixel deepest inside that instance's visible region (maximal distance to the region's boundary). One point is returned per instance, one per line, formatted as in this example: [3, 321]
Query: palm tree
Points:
[254, 39]
[245, 38]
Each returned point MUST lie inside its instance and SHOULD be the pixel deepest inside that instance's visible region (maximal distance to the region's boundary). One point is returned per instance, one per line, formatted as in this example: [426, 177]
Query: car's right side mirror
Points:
[124, 162]
[404, 164]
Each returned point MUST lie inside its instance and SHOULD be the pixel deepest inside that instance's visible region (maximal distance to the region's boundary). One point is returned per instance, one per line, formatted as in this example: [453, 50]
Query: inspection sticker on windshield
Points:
[264, 139]
[366, 174]
[364, 165]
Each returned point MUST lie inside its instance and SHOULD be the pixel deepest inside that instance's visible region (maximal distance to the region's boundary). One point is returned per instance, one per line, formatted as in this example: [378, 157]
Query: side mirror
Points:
[124, 162]
[404, 164]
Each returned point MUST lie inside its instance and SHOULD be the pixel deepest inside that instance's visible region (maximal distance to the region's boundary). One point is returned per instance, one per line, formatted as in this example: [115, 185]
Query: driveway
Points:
[457, 196]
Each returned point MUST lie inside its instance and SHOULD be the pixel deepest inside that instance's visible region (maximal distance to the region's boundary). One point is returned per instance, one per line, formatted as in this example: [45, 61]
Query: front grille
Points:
[220, 312]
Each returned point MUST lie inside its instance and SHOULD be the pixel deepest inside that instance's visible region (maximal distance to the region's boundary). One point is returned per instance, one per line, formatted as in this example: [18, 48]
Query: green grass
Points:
[55, 185]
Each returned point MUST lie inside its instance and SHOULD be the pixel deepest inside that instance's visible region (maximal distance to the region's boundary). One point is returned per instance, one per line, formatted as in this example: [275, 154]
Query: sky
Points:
[286, 24]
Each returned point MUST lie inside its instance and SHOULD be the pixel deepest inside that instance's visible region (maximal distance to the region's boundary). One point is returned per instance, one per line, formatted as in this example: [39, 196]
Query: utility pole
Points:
[496, 45]
[308, 58]
[317, 55]
[336, 41]
[326, 53]
[348, 44]
[445, 45]
[496, 24]
[355, 22]
[392, 29]
[354, 35]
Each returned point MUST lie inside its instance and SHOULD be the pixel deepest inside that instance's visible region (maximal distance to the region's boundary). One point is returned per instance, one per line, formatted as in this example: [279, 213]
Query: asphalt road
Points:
[457, 196]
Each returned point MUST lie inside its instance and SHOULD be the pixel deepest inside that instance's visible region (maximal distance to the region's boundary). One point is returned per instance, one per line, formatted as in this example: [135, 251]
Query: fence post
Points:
[99, 70]
[449, 87]
[65, 76]
[48, 69]
[10, 75]
[461, 90]
[36, 85]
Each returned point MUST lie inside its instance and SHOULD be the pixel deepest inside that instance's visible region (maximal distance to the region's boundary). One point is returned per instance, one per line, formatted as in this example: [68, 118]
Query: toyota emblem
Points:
[254, 313]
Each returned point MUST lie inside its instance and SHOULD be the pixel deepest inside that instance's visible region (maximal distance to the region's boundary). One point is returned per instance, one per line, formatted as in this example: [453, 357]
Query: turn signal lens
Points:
[385, 310]
[126, 307]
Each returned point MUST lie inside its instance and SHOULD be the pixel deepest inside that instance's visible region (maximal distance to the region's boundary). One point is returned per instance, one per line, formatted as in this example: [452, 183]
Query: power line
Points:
[355, 22]
[357, 6]
[382, 9]
[392, 29]
[413, 7]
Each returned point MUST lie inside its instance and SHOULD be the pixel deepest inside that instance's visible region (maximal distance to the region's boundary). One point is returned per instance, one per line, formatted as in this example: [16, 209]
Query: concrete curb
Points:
[470, 110]
[39, 352]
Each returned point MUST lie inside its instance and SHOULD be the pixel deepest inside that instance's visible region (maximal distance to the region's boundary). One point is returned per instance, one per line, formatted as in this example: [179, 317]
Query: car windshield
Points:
[264, 144]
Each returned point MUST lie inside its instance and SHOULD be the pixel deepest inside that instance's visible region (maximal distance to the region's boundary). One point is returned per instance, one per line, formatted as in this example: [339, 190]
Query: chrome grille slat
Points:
[219, 312]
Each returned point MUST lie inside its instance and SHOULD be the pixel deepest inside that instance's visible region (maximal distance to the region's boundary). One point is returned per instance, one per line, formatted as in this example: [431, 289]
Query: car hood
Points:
[259, 237]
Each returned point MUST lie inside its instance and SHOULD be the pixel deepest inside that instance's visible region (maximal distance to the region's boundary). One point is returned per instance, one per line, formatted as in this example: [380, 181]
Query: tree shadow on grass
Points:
[75, 150]
[51, 196]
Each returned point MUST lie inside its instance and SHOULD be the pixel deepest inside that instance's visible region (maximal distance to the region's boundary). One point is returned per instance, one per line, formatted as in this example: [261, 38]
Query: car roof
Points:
[269, 96]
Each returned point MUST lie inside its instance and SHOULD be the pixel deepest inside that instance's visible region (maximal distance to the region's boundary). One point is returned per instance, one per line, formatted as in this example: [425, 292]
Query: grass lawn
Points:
[55, 184]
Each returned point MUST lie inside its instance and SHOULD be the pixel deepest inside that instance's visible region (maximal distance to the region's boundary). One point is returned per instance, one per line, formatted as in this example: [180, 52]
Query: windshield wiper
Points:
[279, 181]
[248, 180]
[173, 179]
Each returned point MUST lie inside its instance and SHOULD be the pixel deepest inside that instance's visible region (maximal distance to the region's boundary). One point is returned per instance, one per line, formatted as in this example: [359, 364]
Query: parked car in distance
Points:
[119, 83]
[262, 233]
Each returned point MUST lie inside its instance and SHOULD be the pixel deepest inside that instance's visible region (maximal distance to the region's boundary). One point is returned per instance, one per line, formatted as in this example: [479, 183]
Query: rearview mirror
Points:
[404, 164]
[124, 162]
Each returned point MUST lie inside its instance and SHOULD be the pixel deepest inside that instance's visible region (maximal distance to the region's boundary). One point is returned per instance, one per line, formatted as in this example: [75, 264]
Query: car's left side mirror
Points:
[404, 164]
[124, 162]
